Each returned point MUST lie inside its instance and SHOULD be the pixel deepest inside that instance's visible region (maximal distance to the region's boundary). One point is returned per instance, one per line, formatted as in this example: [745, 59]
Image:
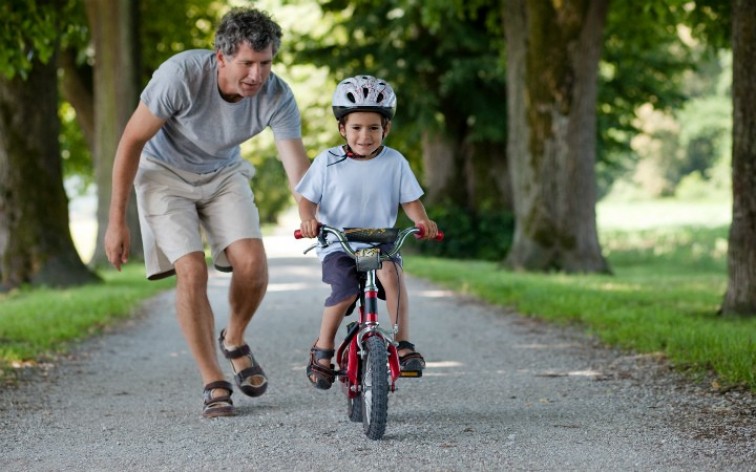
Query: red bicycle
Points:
[368, 361]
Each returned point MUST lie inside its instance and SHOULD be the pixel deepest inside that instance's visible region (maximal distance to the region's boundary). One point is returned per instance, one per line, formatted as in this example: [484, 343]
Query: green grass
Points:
[36, 324]
[663, 298]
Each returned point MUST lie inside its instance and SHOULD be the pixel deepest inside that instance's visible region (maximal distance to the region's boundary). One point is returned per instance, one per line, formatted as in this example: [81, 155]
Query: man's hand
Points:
[117, 243]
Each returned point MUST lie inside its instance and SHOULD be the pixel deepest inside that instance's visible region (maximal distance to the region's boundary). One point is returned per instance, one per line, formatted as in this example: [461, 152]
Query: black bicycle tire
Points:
[375, 388]
[354, 409]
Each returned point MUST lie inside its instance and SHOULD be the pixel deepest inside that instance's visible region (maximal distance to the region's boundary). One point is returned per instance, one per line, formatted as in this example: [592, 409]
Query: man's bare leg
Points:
[195, 315]
[249, 282]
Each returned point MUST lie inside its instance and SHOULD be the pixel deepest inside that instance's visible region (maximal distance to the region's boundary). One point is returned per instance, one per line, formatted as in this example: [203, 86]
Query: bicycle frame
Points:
[366, 326]
[366, 371]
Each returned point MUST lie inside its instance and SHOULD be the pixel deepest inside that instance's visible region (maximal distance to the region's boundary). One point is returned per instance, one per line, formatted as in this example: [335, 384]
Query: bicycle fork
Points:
[368, 326]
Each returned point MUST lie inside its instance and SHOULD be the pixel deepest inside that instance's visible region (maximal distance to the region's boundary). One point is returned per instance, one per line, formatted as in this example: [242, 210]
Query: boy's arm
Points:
[416, 212]
[309, 224]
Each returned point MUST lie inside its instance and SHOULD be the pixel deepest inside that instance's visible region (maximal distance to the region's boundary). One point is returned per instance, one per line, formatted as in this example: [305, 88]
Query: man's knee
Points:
[191, 270]
[248, 261]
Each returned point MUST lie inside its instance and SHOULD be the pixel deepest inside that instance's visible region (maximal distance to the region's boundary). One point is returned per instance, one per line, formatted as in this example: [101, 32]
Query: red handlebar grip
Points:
[421, 233]
[297, 234]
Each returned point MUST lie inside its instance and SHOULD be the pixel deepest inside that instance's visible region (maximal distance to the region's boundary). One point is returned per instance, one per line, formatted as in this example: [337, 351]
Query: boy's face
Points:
[364, 132]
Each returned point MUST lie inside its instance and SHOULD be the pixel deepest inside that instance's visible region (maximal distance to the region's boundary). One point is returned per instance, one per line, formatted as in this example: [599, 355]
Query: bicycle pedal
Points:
[411, 373]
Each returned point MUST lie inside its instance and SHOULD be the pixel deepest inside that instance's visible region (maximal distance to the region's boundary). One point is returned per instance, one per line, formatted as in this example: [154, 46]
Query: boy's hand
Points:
[309, 228]
[431, 228]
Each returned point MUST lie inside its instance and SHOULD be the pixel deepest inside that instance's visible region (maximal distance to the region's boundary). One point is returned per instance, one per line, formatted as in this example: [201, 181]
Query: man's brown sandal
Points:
[411, 364]
[324, 377]
[220, 405]
[252, 380]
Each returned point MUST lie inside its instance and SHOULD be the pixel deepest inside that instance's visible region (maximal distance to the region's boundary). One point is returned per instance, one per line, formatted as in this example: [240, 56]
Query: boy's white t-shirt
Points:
[356, 193]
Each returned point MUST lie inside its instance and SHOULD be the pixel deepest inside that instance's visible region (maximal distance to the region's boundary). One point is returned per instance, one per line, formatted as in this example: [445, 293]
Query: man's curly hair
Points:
[247, 25]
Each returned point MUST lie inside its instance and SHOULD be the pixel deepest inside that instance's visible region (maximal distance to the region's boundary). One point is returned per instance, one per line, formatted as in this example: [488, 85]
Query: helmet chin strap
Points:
[354, 155]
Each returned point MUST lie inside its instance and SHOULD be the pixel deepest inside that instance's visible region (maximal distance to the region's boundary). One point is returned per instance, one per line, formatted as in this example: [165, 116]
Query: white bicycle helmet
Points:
[364, 93]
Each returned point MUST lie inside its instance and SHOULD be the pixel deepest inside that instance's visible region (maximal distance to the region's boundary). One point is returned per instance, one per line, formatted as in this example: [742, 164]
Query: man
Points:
[180, 150]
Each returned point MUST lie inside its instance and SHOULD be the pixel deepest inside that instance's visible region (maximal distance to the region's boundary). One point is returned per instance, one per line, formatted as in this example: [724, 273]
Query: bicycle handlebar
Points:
[341, 238]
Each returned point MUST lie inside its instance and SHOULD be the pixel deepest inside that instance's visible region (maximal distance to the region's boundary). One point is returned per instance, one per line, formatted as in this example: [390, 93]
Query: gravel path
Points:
[501, 392]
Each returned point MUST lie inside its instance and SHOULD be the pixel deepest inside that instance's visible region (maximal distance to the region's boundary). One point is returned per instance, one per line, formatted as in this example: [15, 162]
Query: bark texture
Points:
[116, 94]
[471, 176]
[553, 50]
[740, 298]
[35, 240]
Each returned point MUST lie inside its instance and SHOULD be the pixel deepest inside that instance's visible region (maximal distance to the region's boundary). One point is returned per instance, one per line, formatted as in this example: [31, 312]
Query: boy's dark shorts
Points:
[340, 272]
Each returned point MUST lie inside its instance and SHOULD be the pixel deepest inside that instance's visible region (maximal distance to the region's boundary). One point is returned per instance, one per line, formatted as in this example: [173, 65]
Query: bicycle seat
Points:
[371, 235]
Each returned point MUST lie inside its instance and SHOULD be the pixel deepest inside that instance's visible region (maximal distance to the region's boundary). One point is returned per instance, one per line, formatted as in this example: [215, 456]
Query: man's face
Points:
[243, 74]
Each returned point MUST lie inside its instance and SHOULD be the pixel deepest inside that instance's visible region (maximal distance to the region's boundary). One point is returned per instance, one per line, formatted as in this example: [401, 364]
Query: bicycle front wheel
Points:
[375, 388]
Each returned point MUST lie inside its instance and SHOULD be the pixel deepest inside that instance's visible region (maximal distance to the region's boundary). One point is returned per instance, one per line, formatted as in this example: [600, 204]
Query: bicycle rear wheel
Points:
[354, 402]
[375, 388]
[354, 409]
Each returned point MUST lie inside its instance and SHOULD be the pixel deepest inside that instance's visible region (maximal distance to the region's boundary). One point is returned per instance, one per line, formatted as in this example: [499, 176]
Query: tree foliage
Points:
[673, 130]
[444, 65]
[164, 28]
[643, 63]
[32, 32]
[167, 28]
[448, 73]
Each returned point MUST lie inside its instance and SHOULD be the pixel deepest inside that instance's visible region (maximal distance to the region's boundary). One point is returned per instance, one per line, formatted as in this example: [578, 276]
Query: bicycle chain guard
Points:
[368, 259]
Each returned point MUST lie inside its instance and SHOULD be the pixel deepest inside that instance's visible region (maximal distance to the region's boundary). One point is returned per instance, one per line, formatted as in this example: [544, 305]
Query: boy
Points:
[361, 184]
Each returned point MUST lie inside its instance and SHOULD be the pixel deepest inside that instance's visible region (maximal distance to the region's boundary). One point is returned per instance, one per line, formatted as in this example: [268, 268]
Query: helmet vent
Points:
[364, 93]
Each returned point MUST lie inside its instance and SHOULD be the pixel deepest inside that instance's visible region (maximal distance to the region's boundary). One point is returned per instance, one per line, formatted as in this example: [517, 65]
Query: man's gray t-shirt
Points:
[358, 193]
[203, 131]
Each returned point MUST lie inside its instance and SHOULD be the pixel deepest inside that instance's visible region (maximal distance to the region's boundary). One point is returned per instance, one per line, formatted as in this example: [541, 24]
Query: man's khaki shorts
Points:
[174, 204]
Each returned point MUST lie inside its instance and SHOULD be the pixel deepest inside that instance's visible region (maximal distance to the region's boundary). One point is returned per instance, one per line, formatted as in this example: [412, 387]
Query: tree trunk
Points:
[35, 239]
[439, 167]
[553, 50]
[740, 298]
[116, 93]
[77, 89]
[470, 176]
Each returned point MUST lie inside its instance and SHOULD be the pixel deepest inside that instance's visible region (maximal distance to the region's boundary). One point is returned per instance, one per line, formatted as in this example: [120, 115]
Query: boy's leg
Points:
[340, 273]
[329, 326]
[397, 300]
[323, 349]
